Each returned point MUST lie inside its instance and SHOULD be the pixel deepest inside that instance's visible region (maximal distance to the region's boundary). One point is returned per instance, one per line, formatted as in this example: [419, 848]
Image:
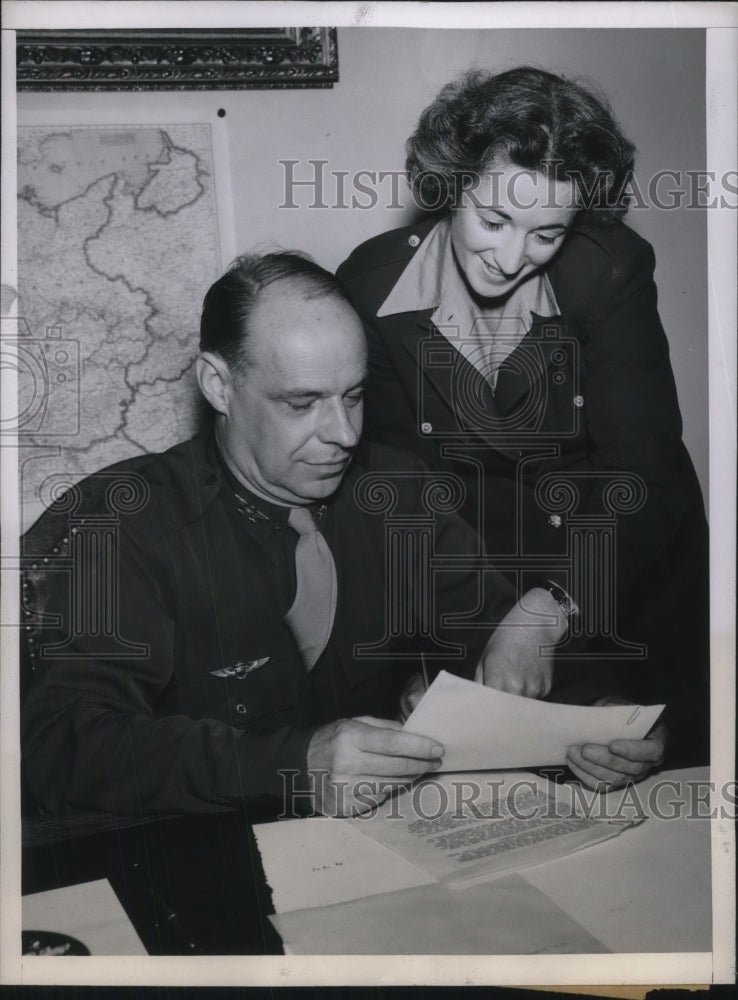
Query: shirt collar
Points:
[432, 281]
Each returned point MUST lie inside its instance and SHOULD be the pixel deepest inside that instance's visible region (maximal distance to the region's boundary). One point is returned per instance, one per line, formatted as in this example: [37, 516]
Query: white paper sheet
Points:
[469, 827]
[90, 912]
[508, 917]
[318, 862]
[485, 729]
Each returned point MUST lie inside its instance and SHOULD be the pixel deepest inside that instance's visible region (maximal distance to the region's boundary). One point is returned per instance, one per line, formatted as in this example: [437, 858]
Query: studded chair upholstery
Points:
[45, 548]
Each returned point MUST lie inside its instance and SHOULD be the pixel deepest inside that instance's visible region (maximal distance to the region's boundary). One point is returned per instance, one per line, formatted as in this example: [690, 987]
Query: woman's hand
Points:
[604, 768]
[518, 658]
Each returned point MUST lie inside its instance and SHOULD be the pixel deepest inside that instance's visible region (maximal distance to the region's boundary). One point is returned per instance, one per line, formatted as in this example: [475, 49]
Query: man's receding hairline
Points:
[299, 282]
[303, 281]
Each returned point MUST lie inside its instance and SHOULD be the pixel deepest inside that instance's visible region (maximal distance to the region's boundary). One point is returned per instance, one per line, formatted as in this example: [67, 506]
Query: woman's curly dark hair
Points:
[531, 118]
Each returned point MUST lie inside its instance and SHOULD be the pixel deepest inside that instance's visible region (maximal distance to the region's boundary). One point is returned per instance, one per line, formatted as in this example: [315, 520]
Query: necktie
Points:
[310, 619]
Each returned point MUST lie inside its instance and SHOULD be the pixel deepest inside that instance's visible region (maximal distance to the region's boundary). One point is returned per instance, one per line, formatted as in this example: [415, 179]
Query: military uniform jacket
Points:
[170, 681]
[589, 396]
[584, 423]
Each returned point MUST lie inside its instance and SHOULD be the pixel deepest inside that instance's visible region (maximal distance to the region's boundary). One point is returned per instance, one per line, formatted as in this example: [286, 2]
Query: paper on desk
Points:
[90, 912]
[317, 862]
[470, 827]
[485, 729]
[507, 918]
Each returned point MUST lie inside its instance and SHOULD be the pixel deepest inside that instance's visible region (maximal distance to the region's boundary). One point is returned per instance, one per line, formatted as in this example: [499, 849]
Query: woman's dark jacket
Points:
[580, 445]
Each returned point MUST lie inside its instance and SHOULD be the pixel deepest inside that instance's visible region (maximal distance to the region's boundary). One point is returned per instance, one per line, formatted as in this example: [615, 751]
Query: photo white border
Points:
[722, 267]
[719, 966]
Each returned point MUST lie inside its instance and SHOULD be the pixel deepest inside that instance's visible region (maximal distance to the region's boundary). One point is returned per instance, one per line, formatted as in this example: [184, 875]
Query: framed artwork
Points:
[234, 59]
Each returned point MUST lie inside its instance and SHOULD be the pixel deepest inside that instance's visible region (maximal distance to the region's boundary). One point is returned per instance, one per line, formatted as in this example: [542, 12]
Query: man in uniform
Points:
[235, 633]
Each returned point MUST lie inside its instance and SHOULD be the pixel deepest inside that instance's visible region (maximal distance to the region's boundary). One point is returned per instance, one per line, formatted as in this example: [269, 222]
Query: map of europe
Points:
[117, 244]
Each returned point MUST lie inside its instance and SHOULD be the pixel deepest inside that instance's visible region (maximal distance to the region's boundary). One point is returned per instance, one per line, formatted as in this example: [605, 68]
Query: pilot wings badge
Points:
[241, 669]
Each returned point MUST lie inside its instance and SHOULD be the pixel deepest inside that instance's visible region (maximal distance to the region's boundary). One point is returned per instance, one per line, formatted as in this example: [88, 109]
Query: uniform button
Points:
[241, 708]
[555, 520]
[519, 452]
[579, 400]
[426, 428]
[414, 240]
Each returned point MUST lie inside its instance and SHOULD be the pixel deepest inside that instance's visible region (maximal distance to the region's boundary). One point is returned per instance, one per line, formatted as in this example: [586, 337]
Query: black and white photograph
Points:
[368, 447]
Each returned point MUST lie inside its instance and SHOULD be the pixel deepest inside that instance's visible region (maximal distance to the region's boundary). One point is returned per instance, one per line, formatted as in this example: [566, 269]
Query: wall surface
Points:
[654, 79]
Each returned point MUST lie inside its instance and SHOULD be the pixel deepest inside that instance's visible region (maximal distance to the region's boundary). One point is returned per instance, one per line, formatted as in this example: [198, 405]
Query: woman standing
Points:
[514, 340]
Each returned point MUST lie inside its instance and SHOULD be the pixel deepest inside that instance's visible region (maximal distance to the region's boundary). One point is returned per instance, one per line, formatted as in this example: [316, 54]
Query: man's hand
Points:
[511, 660]
[357, 763]
[605, 768]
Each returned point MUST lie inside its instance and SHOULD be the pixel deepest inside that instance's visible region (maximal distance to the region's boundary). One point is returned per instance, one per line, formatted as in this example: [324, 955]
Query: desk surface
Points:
[647, 890]
[189, 885]
[195, 885]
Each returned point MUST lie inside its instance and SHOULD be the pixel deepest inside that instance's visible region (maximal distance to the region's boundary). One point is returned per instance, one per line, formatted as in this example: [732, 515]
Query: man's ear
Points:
[216, 381]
